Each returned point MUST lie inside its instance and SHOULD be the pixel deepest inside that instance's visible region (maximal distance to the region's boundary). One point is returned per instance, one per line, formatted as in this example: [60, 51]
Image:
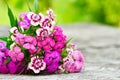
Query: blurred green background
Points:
[69, 11]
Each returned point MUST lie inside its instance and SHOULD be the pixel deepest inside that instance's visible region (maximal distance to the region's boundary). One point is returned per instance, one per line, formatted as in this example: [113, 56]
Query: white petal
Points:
[13, 38]
[61, 69]
[12, 46]
[29, 15]
[42, 16]
[32, 68]
[53, 22]
[30, 65]
[36, 71]
[38, 32]
[43, 67]
[34, 23]
[14, 30]
[22, 29]
[34, 58]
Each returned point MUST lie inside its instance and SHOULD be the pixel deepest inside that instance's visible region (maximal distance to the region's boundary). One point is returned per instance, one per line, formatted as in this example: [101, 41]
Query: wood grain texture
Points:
[100, 45]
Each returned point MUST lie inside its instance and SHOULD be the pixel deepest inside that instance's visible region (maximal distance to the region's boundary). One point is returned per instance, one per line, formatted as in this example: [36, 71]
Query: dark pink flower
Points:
[52, 60]
[12, 67]
[3, 69]
[52, 68]
[47, 44]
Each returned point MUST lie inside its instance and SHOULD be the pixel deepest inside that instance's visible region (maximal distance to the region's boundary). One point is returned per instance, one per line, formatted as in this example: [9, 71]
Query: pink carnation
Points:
[24, 21]
[37, 64]
[16, 54]
[35, 19]
[73, 62]
[30, 44]
[19, 38]
[51, 14]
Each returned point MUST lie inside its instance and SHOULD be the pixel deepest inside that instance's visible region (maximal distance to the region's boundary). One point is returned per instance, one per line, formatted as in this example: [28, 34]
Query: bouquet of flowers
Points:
[36, 45]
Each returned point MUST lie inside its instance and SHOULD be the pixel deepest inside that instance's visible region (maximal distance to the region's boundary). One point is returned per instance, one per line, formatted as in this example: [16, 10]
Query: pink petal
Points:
[20, 56]
[17, 49]
[11, 53]
[12, 67]
[3, 69]
[27, 46]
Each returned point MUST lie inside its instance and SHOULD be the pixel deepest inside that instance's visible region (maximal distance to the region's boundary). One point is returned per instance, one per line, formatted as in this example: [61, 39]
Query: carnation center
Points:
[37, 63]
[36, 17]
[44, 32]
[46, 23]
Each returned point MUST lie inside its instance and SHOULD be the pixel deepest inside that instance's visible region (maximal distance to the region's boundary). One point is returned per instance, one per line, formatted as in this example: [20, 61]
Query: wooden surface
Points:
[101, 48]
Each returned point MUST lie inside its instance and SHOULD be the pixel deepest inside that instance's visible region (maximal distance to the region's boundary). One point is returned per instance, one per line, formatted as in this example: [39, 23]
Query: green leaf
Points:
[28, 5]
[68, 41]
[9, 42]
[64, 53]
[16, 22]
[11, 17]
[4, 39]
[36, 6]
[7, 61]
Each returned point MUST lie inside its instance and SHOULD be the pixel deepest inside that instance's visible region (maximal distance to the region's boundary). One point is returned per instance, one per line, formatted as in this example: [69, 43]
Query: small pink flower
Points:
[19, 38]
[47, 44]
[37, 64]
[23, 15]
[47, 48]
[72, 66]
[74, 61]
[12, 67]
[24, 21]
[16, 54]
[78, 56]
[30, 44]
[47, 23]
[32, 49]
[35, 19]
[43, 32]
[15, 32]
[51, 14]
[31, 40]
[2, 46]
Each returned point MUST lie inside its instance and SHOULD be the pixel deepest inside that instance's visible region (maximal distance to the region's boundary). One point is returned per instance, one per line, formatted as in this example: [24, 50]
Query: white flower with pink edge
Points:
[51, 14]
[14, 30]
[37, 64]
[47, 23]
[35, 19]
[44, 32]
